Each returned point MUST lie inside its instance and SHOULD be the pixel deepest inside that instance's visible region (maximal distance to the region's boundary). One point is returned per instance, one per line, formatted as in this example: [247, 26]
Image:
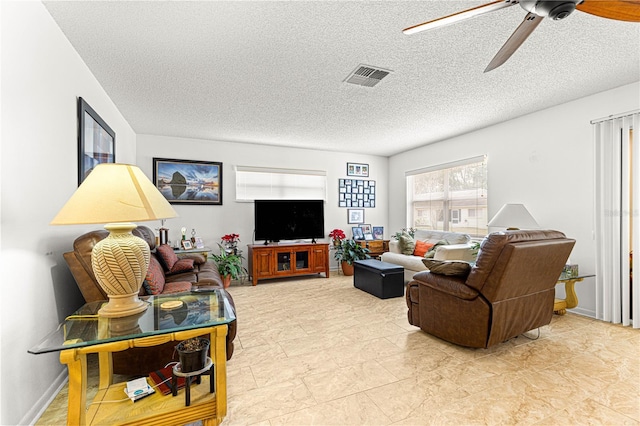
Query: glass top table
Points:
[165, 314]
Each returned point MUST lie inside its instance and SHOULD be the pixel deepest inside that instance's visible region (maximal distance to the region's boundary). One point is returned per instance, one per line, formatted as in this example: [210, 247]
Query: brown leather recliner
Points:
[509, 291]
[140, 361]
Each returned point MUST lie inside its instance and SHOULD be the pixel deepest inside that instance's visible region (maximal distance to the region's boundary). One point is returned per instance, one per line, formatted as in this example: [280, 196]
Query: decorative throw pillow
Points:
[407, 244]
[448, 267]
[169, 257]
[421, 248]
[154, 281]
[182, 265]
[432, 250]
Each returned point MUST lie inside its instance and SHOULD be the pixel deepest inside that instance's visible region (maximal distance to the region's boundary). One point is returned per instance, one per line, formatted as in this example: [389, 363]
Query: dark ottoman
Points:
[382, 279]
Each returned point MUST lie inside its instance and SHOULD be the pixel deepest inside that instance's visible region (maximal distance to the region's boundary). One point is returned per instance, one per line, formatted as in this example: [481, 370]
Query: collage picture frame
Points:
[356, 193]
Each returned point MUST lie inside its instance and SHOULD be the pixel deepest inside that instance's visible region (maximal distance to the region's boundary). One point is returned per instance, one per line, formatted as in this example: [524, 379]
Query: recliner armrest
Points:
[449, 284]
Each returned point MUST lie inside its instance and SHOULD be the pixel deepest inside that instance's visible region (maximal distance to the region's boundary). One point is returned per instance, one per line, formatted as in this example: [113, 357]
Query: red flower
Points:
[230, 238]
[337, 234]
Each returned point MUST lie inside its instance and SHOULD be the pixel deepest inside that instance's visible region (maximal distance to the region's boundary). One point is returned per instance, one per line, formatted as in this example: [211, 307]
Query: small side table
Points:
[205, 251]
[570, 301]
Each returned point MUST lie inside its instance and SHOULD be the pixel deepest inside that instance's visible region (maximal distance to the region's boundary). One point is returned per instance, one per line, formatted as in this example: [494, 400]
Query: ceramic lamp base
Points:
[122, 305]
[120, 264]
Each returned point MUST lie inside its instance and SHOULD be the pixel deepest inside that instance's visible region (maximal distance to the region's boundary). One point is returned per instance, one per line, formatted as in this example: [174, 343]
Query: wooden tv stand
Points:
[287, 260]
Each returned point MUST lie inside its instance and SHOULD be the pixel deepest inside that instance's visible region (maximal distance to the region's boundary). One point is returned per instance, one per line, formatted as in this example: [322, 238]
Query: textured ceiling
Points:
[273, 72]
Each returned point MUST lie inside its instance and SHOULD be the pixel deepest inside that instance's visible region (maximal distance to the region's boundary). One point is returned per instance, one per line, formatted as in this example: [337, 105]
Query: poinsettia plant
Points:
[337, 234]
[230, 238]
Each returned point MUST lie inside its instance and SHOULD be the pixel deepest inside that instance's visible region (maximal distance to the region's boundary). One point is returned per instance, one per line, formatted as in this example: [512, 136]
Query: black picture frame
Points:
[358, 169]
[196, 182]
[96, 140]
[358, 235]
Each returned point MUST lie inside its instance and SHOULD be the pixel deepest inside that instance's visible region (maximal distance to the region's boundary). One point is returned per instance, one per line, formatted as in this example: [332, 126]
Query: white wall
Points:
[42, 76]
[544, 160]
[212, 222]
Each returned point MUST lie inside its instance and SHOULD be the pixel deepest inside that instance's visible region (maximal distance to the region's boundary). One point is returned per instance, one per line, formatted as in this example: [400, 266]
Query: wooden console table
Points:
[570, 301]
[84, 333]
[287, 260]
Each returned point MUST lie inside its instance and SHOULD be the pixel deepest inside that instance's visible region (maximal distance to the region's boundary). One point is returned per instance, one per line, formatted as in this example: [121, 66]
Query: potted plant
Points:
[349, 251]
[337, 235]
[192, 354]
[229, 265]
[230, 242]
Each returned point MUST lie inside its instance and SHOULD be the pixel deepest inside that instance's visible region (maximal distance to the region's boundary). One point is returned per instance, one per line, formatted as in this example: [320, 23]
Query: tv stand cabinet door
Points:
[320, 263]
[262, 263]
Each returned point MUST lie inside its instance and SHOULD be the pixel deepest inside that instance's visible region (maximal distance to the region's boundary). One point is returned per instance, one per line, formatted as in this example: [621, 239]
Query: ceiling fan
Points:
[537, 10]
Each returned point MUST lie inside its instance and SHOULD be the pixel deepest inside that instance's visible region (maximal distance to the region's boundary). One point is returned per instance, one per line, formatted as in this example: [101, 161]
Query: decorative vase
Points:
[336, 242]
[192, 354]
[347, 269]
[226, 280]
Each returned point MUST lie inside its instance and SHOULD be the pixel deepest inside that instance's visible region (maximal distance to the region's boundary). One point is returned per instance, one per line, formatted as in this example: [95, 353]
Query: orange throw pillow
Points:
[422, 248]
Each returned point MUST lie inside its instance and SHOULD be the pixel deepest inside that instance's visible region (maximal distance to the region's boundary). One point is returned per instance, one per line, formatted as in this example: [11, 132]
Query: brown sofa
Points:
[510, 290]
[141, 361]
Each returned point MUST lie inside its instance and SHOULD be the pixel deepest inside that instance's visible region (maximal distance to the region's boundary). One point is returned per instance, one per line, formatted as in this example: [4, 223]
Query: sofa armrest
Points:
[455, 252]
[394, 246]
[198, 258]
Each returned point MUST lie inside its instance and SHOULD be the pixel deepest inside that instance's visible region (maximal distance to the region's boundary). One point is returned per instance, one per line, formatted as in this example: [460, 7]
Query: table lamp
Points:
[117, 194]
[513, 217]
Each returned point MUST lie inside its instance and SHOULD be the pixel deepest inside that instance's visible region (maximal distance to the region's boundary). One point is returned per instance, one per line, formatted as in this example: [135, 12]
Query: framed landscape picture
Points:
[188, 181]
[96, 141]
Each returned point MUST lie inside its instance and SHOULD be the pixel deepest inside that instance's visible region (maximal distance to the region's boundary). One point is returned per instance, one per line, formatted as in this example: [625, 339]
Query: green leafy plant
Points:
[410, 231]
[350, 251]
[228, 263]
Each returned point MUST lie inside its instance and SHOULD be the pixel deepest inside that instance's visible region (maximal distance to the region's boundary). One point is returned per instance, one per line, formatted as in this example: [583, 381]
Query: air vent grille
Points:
[365, 75]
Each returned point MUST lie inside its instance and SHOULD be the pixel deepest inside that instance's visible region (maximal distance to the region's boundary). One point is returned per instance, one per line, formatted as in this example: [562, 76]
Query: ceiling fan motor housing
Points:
[553, 9]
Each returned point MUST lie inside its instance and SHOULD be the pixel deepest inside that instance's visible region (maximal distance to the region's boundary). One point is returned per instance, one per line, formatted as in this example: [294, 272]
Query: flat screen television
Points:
[277, 220]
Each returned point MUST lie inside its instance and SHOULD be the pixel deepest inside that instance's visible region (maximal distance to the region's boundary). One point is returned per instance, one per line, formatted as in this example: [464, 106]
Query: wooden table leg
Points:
[77, 401]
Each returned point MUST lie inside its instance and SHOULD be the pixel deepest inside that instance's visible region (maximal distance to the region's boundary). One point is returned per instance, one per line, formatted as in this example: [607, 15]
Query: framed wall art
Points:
[356, 193]
[357, 169]
[188, 181]
[96, 141]
[355, 216]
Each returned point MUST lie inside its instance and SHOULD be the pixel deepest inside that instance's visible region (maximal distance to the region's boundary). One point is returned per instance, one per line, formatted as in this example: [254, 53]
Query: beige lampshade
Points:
[115, 193]
[513, 216]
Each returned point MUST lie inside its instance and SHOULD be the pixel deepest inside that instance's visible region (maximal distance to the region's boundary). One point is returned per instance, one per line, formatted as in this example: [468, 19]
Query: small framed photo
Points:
[368, 236]
[357, 169]
[355, 216]
[378, 232]
[357, 233]
[199, 243]
[186, 244]
[366, 228]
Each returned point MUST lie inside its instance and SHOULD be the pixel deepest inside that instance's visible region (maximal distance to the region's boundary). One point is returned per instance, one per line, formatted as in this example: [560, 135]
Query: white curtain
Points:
[617, 155]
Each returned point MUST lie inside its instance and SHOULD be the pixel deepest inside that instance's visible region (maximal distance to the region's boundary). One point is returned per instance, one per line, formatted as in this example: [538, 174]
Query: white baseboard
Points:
[32, 416]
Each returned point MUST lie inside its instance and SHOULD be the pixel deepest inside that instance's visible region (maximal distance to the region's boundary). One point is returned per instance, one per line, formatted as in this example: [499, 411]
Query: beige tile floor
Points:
[317, 351]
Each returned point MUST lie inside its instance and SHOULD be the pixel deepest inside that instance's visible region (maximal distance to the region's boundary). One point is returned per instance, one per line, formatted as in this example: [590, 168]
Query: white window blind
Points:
[449, 197]
[263, 183]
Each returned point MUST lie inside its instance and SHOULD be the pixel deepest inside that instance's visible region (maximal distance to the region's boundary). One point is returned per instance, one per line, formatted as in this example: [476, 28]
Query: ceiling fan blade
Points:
[460, 16]
[531, 21]
[620, 10]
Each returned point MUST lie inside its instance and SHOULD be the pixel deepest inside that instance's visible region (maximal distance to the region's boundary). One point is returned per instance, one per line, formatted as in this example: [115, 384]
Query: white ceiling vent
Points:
[365, 75]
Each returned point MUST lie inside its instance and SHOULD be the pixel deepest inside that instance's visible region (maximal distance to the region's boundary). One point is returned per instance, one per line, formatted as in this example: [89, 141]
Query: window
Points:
[261, 183]
[450, 197]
